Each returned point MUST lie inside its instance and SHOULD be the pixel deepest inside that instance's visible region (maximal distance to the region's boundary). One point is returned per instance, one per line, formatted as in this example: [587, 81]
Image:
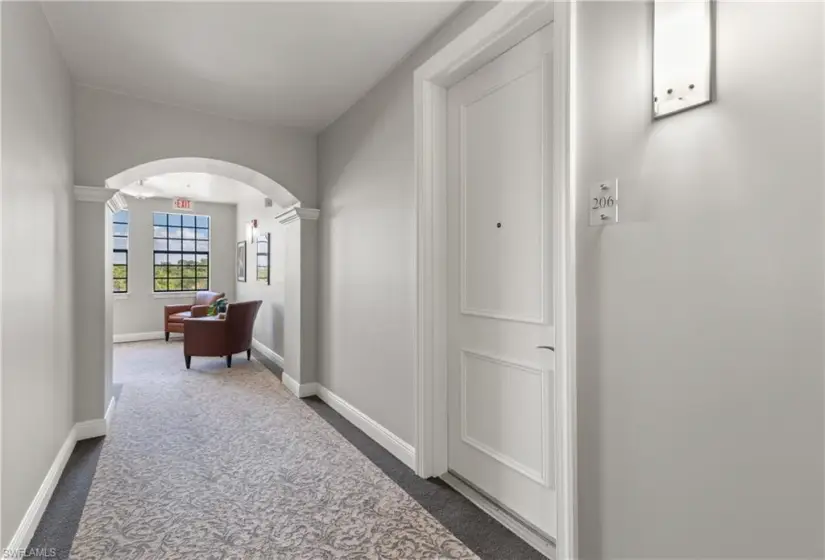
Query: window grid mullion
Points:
[180, 265]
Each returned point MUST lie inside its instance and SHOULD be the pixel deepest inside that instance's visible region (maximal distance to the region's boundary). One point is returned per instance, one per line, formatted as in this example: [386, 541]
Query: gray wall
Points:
[367, 244]
[141, 311]
[701, 314]
[92, 310]
[37, 233]
[114, 132]
[269, 326]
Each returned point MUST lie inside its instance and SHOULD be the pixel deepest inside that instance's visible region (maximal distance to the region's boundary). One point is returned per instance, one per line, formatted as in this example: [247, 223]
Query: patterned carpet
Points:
[226, 463]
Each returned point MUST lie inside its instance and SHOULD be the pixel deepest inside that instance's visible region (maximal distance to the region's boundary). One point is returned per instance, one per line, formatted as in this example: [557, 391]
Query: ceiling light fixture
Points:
[141, 190]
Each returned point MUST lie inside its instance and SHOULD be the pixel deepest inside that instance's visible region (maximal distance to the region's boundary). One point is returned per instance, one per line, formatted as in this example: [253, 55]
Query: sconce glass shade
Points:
[682, 55]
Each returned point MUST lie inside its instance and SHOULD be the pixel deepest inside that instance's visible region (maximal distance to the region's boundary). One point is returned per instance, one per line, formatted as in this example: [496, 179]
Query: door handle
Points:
[546, 348]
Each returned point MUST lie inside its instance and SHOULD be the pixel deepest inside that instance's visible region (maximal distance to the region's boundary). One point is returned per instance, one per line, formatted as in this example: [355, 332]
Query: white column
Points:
[301, 299]
[93, 300]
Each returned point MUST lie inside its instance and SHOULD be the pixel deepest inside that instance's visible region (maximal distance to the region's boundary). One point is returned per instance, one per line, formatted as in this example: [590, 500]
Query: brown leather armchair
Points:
[174, 315]
[211, 336]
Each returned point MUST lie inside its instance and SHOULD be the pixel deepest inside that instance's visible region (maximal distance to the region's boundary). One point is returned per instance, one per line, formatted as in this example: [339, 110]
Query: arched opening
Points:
[95, 246]
[269, 187]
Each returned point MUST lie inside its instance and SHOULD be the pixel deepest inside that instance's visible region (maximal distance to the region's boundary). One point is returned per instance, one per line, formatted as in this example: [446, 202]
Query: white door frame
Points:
[499, 29]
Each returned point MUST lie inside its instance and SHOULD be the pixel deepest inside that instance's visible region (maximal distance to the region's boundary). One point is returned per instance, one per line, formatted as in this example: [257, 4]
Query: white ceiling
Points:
[195, 186]
[289, 63]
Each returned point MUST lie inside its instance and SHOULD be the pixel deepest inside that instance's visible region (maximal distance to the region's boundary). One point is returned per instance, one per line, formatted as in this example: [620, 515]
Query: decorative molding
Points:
[269, 353]
[300, 391]
[565, 374]
[466, 309]
[402, 450]
[140, 337]
[94, 194]
[117, 203]
[543, 476]
[297, 213]
[501, 515]
[22, 537]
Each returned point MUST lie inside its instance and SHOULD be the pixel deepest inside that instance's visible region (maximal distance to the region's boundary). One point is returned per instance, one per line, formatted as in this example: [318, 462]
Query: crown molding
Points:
[297, 213]
[94, 194]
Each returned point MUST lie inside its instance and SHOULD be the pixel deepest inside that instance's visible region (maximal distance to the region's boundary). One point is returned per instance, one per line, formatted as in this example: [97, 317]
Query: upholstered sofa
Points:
[174, 315]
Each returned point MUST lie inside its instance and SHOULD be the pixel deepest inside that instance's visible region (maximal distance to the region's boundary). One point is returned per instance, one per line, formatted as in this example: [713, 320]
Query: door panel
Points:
[504, 412]
[500, 281]
[502, 235]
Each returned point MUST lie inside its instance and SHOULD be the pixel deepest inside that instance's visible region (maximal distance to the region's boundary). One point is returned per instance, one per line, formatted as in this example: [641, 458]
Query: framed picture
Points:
[262, 258]
[241, 261]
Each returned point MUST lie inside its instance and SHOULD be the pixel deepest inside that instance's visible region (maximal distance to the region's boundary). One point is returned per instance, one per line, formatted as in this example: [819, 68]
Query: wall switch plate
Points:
[604, 203]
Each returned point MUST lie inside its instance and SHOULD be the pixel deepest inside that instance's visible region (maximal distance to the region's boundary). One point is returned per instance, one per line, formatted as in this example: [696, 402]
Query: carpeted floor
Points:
[225, 463]
[57, 529]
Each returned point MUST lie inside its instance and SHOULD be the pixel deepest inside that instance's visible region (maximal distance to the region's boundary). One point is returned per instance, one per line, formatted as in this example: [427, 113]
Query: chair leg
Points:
[167, 336]
[188, 359]
[229, 360]
[249, 354]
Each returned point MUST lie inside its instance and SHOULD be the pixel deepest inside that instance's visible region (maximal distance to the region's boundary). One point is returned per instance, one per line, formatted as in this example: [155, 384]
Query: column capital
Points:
[297, 213]
[103, 195]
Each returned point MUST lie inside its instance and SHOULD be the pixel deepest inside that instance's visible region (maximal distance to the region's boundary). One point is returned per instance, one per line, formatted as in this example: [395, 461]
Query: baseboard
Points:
[300, 391]
[21, 538]
[402, 450]
[141, 336]
[82, 430]
[110, 411]
[268, 353]
[90, 428]
[97, 427]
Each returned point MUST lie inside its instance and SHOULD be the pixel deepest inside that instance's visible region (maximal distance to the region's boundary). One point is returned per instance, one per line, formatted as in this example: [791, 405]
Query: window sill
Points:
[121, 295]
[174, 295]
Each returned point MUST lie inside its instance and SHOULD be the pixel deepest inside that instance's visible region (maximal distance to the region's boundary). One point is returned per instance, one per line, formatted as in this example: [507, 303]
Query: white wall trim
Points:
[90, 429]
[297, 213]
[82, 430]
[300, 391]
[97, 427]
[402, 450]
[139, 337]
[269, 353]
[23, 535]
[176, 295]
[93, 194]
[110, 412]
[500, 28]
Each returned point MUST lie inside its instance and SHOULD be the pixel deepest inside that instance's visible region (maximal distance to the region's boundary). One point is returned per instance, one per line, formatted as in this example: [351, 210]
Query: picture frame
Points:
[262, 258]
[240, 261]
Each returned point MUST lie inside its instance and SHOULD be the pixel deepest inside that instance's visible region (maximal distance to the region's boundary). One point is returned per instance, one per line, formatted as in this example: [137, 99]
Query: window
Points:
[262, 254]
[120, 249]
[181, 252]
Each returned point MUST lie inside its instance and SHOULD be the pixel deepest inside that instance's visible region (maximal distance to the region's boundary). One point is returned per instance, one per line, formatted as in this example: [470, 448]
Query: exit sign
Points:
[182, 204]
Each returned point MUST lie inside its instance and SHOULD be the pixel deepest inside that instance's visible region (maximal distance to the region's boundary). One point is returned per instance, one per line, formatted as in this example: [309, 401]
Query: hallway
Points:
[226, 463]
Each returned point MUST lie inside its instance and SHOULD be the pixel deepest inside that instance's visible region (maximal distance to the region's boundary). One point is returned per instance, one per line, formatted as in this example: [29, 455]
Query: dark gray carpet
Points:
[55, 533]
[478, 531]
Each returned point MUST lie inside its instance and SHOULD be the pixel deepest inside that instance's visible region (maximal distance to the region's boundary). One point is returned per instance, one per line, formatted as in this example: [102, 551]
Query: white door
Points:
[500, 281]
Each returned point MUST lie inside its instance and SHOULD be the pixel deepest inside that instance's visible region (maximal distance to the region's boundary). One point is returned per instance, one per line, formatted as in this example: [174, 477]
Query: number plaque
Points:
[604, 203]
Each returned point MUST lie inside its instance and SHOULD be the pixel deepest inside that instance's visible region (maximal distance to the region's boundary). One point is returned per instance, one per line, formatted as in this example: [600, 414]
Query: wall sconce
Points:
[252, 231]
[683, 49]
